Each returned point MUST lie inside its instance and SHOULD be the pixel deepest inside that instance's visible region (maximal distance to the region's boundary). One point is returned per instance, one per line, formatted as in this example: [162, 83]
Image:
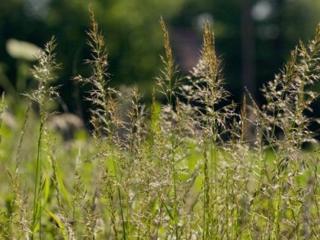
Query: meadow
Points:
[189, 165]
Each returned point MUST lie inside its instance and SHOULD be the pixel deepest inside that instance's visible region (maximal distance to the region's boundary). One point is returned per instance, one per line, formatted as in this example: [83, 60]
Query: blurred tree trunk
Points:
[248, 48]
[248, 69]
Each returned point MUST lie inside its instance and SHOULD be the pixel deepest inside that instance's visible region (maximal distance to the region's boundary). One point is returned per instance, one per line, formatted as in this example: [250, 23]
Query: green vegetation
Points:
[181, 170]
[133, 42]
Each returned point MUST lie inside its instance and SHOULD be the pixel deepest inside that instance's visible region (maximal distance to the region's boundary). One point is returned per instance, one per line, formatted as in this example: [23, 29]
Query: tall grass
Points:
[44, 72]
[180, 169]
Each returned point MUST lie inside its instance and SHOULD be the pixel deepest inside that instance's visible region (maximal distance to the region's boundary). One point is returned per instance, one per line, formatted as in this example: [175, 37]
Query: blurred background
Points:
[253, 38]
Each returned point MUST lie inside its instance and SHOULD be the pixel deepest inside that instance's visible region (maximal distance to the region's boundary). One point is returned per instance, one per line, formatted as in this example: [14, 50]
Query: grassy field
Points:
[189, 168]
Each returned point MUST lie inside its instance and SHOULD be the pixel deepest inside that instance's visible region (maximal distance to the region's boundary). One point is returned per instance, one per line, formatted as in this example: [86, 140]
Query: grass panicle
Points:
[102, 96]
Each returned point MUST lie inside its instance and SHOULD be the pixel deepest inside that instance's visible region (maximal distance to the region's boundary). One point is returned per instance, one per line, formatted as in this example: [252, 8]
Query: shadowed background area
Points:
[253, 38]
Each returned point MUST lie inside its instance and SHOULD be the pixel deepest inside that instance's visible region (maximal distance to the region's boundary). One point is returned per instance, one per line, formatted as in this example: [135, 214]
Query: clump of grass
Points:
[168, 82]
[45, 73]
[177, 170]
[285, 125]
[105, 122]
[290, 95]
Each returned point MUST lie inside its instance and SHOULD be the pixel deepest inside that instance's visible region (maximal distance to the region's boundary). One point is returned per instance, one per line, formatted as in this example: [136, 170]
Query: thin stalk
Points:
[175, 203]
[37, 187]
[206, 200]
[124, 235]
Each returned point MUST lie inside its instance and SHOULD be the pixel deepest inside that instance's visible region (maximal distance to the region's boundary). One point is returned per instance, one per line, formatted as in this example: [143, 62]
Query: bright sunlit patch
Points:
[262, 10]
[22, 50]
